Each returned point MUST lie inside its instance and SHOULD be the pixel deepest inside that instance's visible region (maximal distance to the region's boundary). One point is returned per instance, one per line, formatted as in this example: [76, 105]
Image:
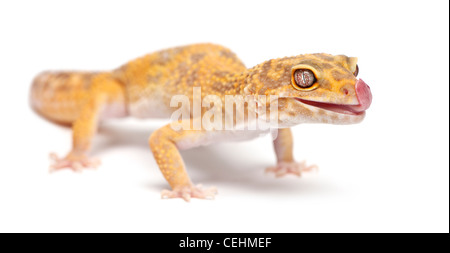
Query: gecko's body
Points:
[144, 88]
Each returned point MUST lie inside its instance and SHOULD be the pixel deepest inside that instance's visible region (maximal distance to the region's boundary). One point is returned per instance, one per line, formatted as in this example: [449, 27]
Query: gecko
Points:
[307, 88]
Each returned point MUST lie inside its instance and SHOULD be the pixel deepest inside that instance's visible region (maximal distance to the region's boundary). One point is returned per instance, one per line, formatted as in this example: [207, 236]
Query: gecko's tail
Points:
[59, 96]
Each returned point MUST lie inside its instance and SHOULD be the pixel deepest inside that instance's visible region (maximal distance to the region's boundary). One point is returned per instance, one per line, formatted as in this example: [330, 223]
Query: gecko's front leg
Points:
[283, 146]
[164, 144]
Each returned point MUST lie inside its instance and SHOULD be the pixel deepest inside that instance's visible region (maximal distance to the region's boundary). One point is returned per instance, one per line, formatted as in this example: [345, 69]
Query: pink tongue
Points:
[364, 96]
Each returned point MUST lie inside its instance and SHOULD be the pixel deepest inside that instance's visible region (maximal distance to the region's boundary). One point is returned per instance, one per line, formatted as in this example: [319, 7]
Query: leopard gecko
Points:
[308, 88]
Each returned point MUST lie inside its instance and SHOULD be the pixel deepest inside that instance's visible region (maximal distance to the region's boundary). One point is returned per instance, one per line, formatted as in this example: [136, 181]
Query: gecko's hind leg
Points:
[103, 92]
[73, 161]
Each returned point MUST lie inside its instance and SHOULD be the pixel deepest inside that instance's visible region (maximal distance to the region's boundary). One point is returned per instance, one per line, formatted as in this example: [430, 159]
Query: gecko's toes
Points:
[74, 162]
[294, 168]
[188, 192]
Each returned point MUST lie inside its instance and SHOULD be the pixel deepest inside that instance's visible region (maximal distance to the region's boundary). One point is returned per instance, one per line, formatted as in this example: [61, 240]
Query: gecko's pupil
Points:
[304, 78]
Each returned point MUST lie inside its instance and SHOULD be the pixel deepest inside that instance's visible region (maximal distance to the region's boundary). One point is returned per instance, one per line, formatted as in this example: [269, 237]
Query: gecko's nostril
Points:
[345, 91]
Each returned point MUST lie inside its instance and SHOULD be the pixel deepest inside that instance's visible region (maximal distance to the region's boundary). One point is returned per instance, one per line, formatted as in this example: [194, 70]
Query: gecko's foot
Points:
[188, 192]
[294, 168]
[73, 161]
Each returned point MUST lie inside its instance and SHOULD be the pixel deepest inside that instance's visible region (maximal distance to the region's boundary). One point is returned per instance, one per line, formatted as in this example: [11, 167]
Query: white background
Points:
[388, 174]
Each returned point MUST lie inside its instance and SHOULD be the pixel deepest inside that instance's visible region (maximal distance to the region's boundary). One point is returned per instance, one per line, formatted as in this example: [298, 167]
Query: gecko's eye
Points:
[304, 78]
[356, 71]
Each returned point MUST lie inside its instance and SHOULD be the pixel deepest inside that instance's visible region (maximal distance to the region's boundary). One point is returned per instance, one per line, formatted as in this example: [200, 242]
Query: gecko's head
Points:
[314, 88]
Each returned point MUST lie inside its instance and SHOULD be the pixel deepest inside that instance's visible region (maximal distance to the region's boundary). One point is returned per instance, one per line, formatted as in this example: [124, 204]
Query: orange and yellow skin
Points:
[144, 87]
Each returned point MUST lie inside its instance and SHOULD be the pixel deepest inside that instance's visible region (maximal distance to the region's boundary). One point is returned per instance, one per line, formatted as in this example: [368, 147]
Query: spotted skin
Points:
[144, 87]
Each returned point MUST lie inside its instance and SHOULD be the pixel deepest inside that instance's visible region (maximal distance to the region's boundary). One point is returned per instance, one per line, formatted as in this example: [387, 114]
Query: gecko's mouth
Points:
[339, 108]
[364, 98]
